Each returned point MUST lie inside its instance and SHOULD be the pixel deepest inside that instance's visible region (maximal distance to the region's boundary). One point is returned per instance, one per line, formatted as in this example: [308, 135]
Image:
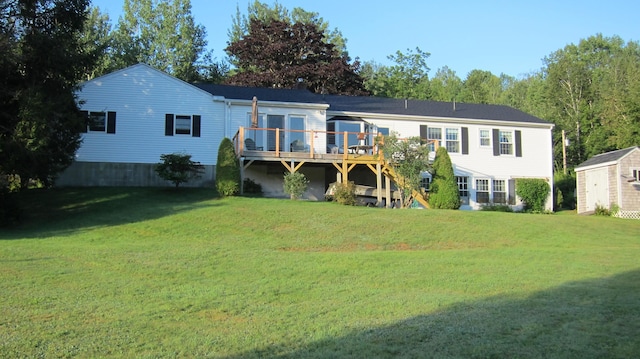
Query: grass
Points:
[156, 273]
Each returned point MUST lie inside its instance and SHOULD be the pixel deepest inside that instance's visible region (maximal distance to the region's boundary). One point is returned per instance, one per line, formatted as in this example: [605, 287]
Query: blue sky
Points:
[510, 37]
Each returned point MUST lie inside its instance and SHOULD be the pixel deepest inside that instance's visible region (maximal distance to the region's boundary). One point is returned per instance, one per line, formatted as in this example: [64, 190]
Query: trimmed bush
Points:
[295, 183]
[444, 188]
[178, 168]
[345, 193]
[227, 169]
[533, 192]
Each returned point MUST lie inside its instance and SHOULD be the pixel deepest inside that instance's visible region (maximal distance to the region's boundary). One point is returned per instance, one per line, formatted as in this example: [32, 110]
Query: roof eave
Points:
[456, 120]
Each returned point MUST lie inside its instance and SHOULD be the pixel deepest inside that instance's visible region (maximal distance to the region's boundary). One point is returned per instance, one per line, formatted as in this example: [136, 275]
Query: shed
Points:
[610, 179]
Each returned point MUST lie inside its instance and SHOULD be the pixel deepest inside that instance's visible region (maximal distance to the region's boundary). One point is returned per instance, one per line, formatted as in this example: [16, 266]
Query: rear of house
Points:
[139, 113]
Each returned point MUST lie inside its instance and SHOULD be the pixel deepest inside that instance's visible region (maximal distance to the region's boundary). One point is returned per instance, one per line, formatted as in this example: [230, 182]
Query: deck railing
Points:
[276, 141]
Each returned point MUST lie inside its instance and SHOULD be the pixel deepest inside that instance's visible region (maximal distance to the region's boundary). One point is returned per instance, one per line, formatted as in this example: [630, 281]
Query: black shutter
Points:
[496, 142]
[423, 134]
[518, 144]
[512, 192]
[111, 122]
[85, 121]
[465, 140]
[196, 126]
[168, 124]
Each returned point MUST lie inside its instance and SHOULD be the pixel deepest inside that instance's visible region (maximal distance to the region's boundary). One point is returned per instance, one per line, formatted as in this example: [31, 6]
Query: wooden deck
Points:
[346, 160]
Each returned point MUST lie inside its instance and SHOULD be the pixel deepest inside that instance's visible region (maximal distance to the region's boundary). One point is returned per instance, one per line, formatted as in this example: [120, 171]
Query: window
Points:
[182, 125]
[482, 190]
[433, 135]
[506, 142]
[384, 131]
[485, 138]
[463, 189]
[635, 173]
[453, 141]
[499, 191]
[100, 121]
[426, 183]
[97, 121]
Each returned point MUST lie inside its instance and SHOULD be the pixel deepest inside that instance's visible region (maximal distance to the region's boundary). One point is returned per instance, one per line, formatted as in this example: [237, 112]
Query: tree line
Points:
[591, 90]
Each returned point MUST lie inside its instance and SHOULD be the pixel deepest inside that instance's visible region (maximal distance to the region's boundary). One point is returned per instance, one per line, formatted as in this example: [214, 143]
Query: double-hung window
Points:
[499, 192]
[482, 190]
[506, 142]
[97, 121]
[100, 121]
[485, 138]
[182, 125]
[434, 135]
[453, 140]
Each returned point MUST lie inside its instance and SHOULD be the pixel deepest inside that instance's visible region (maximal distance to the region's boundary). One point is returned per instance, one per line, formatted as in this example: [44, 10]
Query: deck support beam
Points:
[293, 167]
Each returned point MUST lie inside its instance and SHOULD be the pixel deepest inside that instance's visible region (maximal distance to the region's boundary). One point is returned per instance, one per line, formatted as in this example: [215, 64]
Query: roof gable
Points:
[606, 158]
[141, 70]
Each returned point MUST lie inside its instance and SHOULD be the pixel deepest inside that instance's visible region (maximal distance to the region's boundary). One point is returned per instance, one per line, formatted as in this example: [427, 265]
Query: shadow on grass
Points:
[45, 212]
[598, 318]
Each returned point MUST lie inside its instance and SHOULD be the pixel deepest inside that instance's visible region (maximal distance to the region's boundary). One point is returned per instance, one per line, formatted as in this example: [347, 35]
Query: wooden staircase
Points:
[391, 173]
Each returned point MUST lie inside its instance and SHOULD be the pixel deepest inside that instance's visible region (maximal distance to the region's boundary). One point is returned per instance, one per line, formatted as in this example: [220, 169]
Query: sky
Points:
[510, 37]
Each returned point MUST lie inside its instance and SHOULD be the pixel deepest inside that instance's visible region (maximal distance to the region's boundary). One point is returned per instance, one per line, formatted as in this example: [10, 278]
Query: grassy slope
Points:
[154, 273]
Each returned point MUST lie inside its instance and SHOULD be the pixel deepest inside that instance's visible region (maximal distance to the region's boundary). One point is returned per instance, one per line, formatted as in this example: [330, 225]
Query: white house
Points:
[139, 113]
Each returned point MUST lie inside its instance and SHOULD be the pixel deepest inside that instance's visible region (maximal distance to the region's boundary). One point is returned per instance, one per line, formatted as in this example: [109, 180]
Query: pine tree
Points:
[444, 188]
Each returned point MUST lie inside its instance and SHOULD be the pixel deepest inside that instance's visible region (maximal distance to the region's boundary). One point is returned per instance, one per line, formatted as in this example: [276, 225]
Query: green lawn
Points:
[159, 273]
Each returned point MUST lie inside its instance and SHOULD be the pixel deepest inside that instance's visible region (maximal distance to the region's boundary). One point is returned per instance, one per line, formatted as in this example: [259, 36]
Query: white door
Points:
[597, 188]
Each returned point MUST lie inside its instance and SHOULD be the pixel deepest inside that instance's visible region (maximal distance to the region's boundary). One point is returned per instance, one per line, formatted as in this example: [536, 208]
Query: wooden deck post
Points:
[379, 183]
[387, 183]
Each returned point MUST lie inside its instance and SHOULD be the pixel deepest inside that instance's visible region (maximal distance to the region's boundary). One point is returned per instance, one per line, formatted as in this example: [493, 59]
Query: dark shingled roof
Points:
[380, 105]
[428, 108]
[606, 157]
[262, 93]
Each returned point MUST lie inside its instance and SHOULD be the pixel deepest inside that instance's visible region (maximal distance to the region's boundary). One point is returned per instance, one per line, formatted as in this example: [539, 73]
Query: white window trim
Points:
[512, 143]
[489, 146]
[104, 117]
[175, 125]
[635, 173]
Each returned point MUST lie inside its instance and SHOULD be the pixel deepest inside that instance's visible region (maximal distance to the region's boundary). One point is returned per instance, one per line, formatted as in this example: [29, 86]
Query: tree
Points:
[98, 39]
[444, 188]
[263, 12]
[279, 54]
[445, 85]
[178, 168]
[43, 60]
[407, 78]
[163, 34]
[481, 87]
[408, 158]
[592, 89]
[227, 169]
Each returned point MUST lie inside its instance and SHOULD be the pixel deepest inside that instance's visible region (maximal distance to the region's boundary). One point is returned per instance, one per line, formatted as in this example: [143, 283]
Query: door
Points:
[597, 188]
[273, 122]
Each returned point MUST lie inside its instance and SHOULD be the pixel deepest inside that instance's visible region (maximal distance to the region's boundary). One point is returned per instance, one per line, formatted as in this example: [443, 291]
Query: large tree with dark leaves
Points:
[42, 61]
[285, 55]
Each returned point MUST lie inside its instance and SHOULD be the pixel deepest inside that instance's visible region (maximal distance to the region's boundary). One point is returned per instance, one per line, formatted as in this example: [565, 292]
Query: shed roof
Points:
[605, 158]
